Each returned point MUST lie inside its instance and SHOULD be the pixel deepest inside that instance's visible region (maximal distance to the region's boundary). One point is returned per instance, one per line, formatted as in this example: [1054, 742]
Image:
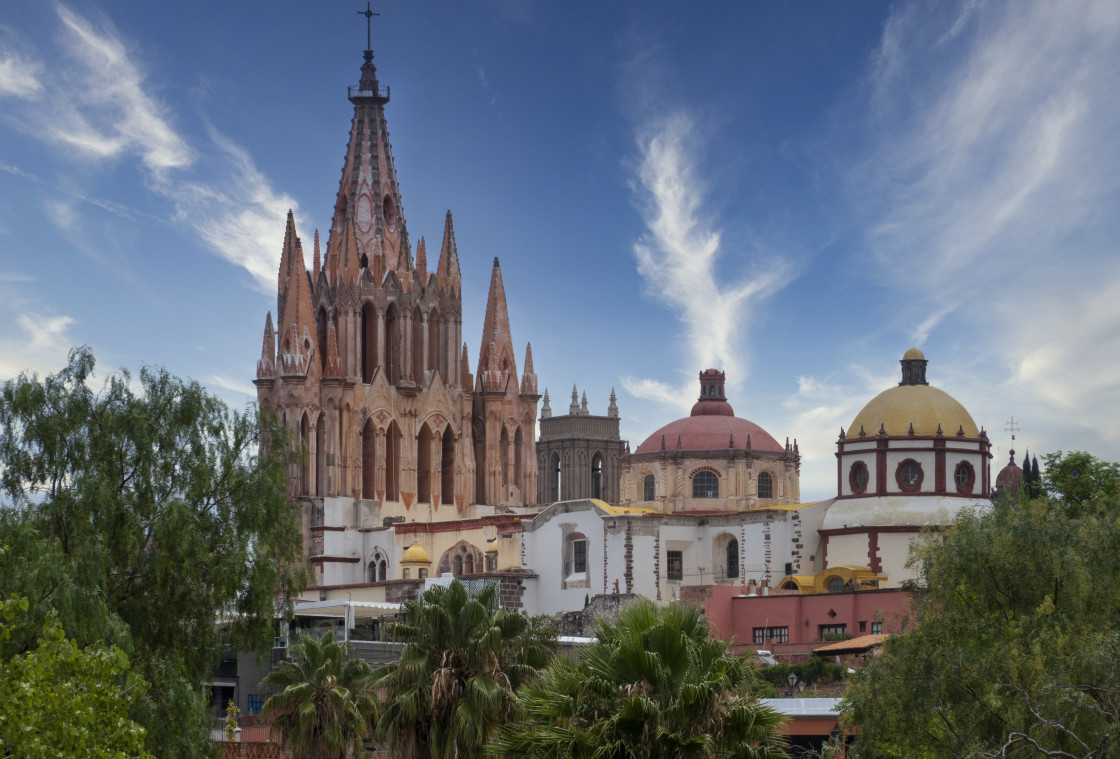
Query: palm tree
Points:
[454, 683]
[325, 699]
[652, 685]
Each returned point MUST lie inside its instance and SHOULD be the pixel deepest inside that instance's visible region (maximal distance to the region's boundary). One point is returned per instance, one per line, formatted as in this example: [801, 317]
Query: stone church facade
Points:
[366, 367]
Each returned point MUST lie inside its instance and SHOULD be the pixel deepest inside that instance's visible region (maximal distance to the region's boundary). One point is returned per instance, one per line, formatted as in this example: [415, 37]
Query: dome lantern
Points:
[913, 368]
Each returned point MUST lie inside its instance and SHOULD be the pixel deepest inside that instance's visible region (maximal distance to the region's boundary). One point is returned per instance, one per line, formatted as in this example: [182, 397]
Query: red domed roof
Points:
[710, 433]
[712, 425]
[1010, 475]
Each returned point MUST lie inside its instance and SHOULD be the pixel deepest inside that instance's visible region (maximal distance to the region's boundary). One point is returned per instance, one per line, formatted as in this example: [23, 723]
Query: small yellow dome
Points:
[912, 354]
[415, 554]
[921, 405]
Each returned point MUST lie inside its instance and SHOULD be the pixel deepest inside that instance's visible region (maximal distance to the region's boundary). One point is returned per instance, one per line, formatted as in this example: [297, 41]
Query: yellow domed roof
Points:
[415, 554]
[921, 405]
[912, 354]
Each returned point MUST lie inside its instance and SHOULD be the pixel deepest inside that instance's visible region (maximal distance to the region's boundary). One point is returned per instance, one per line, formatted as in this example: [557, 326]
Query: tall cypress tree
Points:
[1036, 479]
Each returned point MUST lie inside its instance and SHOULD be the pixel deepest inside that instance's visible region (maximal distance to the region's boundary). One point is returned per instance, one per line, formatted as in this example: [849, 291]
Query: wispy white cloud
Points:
[40, 345]
[233, 385]
[104, 108]
[100, 106]
[991, 185]
[60, 212]
[679, 260]
[237, 217]
[19, 77]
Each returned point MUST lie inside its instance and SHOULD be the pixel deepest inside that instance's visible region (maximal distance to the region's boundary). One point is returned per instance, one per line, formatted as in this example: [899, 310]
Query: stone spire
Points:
[343, 262]
[333, 366]
[368, 194]
[465, 378]
[583, 405]
[295, 320]
[612, 409]
[316, 265]
[573, 407]
[546, 410]
[447, 271]
[422, 262]
[287, 253]
[529, 377]
[496, 363]
[266, 365]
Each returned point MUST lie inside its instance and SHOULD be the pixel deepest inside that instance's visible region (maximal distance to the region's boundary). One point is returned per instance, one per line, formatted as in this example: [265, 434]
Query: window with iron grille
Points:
[674, 565]
[647, 488]
[579, 556]
[255, 703]
[766, 634]
[733, 559]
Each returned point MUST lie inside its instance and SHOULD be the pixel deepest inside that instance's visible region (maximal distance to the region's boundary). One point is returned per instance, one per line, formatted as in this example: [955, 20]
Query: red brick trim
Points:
[880, 467]
[511, 523]
[885, 528]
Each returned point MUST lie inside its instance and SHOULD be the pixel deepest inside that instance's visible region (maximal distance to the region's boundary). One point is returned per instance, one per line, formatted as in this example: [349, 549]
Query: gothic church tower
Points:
[367, 368]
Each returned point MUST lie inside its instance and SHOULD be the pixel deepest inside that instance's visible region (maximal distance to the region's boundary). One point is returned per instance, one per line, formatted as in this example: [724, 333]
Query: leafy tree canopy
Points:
[1016, 636]
[60, 700]
[139, 513]
[652, 685]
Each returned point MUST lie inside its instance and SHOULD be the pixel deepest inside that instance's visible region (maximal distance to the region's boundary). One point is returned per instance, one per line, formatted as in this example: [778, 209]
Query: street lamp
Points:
[795, 685]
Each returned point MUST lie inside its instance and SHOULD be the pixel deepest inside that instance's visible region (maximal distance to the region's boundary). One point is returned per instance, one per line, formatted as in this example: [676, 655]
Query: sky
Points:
[792, 192]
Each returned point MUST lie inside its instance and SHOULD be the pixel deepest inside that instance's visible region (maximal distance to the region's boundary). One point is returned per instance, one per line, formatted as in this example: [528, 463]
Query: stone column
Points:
[381, 338]
[425, 325]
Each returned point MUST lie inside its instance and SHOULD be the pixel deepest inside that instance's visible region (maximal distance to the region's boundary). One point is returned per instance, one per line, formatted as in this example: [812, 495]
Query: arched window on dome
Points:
[858, 478]
[909, 476]
[965, 477]
[648, 488]
[705, 484]
[765, 485]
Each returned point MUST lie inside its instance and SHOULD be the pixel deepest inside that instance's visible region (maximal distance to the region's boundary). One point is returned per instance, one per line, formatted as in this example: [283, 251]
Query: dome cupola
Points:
[712, 401]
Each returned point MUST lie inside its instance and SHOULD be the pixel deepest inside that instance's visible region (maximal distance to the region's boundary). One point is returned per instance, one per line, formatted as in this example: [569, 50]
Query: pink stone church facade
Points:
[367, 369]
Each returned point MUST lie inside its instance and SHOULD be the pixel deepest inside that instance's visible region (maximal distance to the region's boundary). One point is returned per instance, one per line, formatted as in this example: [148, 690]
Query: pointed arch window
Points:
[732, 559]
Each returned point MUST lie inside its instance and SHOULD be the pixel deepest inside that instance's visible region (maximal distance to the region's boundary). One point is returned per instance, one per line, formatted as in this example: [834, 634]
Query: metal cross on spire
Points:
[369, 14]
[1012, 427]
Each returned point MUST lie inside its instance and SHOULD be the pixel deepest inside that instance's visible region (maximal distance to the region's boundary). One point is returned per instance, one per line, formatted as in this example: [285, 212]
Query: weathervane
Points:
[1012, 428]
[369, 14]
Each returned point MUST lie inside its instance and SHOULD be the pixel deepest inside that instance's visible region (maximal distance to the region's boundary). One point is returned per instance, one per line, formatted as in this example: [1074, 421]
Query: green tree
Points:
[454, 683]
[60, 700]
[652, 685]
[325, 699]
[139, 513]
[1015, 636]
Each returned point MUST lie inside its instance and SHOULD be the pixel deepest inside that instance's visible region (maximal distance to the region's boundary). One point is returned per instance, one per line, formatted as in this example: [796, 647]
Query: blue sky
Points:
[795, 192]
